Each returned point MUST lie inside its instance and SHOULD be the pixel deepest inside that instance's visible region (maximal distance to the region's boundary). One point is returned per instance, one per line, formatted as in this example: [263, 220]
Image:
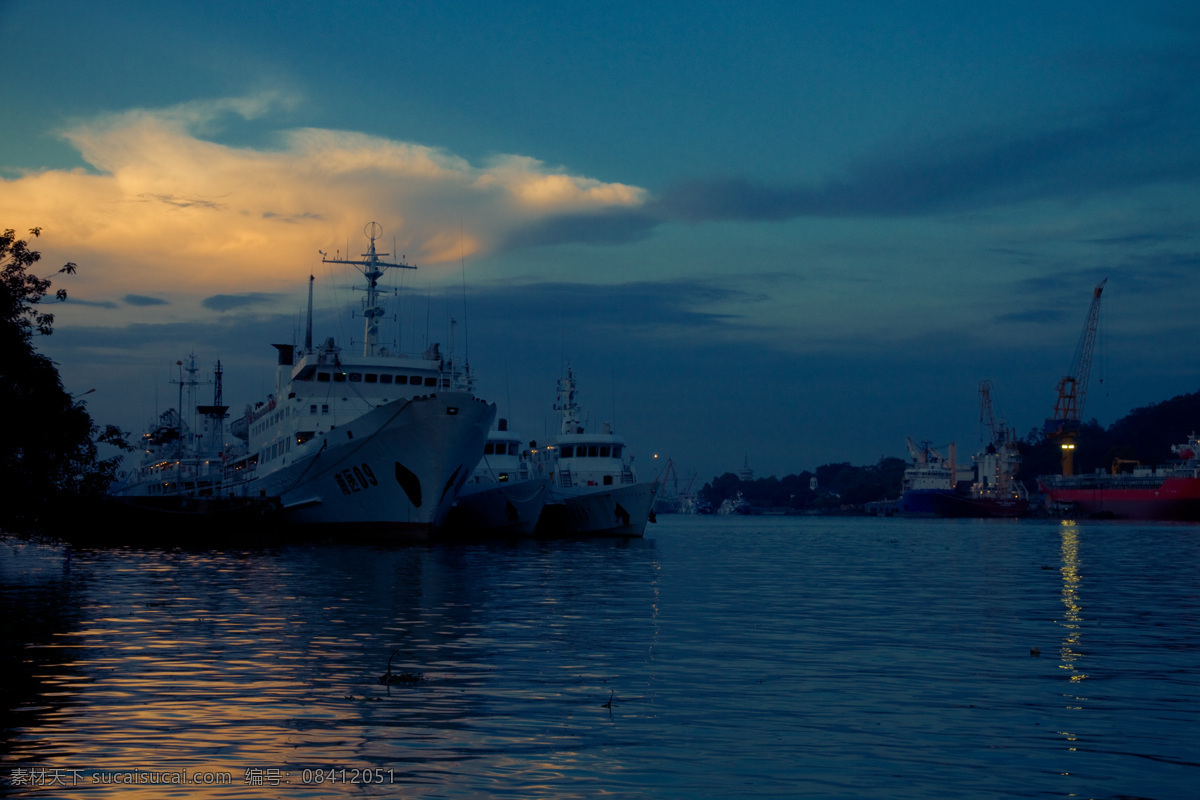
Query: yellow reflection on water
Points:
[1072, 620]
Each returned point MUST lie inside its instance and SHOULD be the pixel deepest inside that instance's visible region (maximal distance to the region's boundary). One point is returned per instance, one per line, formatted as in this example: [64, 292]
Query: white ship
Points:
[180, 476]
[503, 497]
[371, 443]
[593, 487]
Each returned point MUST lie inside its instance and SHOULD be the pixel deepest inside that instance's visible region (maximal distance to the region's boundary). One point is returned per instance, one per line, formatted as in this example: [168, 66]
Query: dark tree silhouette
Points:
[49, 450]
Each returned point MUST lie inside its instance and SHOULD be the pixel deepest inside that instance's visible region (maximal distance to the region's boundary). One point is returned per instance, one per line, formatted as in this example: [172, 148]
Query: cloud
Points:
[1144, 137]
[75, 301]
[957, 174]
[170, 210]
[228, 302]
[143, 300]
[1038, 316]
[605, 227]
[685, 307]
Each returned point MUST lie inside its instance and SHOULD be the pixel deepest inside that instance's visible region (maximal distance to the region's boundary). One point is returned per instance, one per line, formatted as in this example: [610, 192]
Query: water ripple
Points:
[720, 657]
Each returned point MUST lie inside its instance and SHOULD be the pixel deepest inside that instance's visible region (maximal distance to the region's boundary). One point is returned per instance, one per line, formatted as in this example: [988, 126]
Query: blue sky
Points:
[783, 233]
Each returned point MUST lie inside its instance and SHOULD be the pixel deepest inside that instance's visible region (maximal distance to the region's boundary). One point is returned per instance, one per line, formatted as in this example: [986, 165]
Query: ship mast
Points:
[372, 269]
[567, 404]
[308, 323]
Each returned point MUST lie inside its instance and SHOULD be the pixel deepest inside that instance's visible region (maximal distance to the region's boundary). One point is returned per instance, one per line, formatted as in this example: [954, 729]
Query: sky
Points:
[768, 234]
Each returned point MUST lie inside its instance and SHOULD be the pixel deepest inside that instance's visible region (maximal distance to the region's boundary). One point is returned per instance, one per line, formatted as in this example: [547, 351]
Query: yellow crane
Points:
[1063, 427]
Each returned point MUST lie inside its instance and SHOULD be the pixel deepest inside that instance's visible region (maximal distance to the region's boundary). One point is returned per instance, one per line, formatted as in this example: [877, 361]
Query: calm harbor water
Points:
[718, 657]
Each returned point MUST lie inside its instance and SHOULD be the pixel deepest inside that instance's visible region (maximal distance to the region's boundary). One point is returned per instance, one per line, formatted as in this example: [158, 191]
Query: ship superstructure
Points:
[182, 451]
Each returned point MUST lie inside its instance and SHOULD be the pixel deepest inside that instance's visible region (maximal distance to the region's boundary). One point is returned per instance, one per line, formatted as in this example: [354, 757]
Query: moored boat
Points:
[932, 485]
[594, 489]
[503, 496]
[371, 444]
[928, 481]
[182, 451]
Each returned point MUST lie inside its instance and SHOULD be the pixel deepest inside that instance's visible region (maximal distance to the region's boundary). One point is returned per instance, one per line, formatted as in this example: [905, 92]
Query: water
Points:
[717, 658]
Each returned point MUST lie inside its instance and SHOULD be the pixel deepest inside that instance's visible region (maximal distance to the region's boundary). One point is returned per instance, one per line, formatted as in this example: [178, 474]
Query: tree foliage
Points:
[50, 449]
[838, 486]
[21, 292]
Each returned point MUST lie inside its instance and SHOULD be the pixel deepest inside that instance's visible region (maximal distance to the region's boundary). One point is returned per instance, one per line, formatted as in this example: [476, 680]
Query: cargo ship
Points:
[1131, 491]
[932, 487]
[929, 480]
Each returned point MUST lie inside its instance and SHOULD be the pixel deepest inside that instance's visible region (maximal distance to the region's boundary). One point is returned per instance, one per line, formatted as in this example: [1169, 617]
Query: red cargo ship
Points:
[1168, 492]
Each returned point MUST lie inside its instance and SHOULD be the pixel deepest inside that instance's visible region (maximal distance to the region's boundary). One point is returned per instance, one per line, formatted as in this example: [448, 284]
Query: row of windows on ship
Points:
[371, 377]
[565, 451]
[589, 451]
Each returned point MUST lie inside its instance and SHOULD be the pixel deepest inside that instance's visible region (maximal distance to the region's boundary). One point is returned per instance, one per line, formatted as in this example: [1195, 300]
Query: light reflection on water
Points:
[742, 657]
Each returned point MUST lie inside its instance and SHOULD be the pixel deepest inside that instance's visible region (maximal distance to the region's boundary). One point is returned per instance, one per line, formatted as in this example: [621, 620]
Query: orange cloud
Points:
[164, 210]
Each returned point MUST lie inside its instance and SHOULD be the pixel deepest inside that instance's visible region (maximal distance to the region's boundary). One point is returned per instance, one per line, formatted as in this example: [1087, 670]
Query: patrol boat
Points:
[503, 497]
[593, 487]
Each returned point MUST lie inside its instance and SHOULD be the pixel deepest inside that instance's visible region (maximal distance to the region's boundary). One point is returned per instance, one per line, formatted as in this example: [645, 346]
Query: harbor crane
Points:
[1064, 426]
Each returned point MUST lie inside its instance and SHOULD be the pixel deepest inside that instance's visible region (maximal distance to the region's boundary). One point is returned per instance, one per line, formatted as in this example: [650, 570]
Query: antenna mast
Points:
[372, 269]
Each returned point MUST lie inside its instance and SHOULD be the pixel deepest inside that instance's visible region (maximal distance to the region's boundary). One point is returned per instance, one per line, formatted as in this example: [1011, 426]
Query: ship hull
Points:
[922, 502]
[1175, 499]
[496, 510]
[392, 473]
[961, 506]
[952, 504]
[622, 511]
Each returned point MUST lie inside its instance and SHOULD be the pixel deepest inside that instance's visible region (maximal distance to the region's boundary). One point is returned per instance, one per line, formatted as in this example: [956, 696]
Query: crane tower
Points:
[1072, 388]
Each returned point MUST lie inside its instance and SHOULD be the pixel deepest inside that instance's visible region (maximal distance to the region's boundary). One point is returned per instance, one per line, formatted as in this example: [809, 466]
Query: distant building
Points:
[746, 474]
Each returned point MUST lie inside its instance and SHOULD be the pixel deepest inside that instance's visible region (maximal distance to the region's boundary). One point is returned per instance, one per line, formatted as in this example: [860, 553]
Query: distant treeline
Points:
[1144, 435]
[837, 486]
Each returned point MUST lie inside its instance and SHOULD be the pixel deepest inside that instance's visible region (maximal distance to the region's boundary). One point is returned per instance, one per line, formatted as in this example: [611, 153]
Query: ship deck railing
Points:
[1108, 481]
